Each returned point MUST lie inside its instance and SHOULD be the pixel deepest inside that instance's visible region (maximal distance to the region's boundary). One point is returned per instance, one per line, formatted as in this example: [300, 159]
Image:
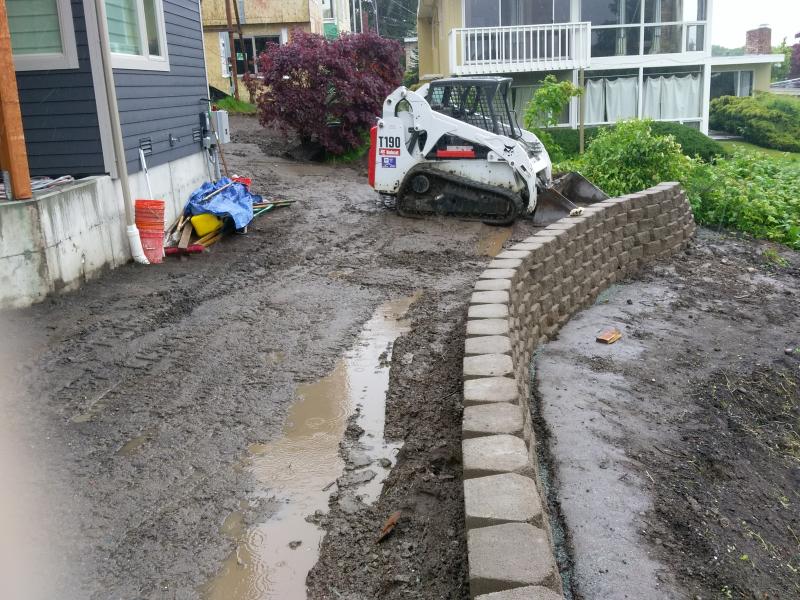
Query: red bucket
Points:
[153, 245]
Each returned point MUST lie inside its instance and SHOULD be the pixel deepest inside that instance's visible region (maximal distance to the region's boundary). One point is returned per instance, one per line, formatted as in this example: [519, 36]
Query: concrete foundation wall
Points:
[528, 292]
[64, 237]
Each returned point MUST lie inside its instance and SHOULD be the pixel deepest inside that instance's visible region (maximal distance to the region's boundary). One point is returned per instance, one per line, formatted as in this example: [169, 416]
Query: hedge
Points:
[767, 120]
[692, 141]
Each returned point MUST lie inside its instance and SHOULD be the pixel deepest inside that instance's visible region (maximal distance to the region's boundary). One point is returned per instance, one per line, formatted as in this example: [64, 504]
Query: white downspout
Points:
[116, 134]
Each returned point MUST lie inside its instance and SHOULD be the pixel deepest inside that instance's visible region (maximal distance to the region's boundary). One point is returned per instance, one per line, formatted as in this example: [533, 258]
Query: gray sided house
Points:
[160, 84]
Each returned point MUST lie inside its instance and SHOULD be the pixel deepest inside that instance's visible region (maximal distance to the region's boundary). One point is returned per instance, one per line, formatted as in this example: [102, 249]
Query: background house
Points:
[62, 237]
[641, 58]
[262, 23]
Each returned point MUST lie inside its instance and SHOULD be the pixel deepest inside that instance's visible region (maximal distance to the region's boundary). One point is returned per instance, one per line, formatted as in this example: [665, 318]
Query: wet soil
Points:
[134, 400]
[675, 450]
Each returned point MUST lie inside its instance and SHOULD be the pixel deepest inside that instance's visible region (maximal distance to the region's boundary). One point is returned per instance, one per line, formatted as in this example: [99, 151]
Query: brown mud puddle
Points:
[304, 467]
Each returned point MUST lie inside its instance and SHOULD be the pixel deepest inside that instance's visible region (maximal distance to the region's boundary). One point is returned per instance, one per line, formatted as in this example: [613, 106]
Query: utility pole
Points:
[13, 154]
[232, 49]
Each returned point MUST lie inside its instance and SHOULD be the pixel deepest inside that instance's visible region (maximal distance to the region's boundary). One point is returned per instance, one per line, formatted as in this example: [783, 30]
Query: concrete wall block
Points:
[487, 344]
[487, 327]
[498, 499]
[492, 419]
[514, 254]
[498, 274]
[487, 365]
[507, 556]
[652, 248]
[490, 390]
[492, 284]
[490, 297]
[505, 263]
[651, 211]
[494, 454]
[488, 311]
[529, 592]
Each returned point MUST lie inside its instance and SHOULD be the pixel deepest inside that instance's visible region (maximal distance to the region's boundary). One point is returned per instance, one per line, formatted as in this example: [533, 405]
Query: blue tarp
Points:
[235, 202]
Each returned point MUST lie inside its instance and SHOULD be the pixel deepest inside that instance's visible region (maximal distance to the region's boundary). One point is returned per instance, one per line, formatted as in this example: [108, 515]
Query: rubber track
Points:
[469, 194]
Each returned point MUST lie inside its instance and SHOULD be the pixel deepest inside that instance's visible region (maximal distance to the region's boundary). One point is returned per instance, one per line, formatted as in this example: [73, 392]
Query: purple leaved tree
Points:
[327, 91]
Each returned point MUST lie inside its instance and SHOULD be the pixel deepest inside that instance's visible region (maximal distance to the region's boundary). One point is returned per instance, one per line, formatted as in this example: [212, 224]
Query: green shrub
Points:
[544, 109]
[767, 120]
[750, 192]
[629, 157]
[692, 141]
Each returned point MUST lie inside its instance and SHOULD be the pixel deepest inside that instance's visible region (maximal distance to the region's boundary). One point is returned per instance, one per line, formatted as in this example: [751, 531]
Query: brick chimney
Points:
[759, 41]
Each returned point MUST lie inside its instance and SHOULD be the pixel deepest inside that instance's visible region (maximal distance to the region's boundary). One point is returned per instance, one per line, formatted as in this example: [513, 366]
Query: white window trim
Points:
[66, 59]
[145, 62]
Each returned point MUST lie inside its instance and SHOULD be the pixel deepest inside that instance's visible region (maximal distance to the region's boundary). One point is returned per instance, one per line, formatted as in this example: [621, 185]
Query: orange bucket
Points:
[150, 215]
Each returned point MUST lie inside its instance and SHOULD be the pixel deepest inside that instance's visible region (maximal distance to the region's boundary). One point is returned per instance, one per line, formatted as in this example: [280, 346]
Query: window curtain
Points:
[680, 97]
[522, 96]
[652, 98]
[595, 103]
[123, 26]
[622, 98]
[34, 26]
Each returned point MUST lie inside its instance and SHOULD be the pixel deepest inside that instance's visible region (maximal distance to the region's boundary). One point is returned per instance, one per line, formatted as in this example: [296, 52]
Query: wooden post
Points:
[241, 35]
[233, 49]
[581, 109]
[13, 155]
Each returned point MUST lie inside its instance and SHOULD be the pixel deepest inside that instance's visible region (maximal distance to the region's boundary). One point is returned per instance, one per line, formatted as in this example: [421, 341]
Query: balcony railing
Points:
[480, 50]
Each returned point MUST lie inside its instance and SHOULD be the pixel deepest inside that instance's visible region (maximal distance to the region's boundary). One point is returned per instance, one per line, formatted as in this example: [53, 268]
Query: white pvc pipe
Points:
[116, 134]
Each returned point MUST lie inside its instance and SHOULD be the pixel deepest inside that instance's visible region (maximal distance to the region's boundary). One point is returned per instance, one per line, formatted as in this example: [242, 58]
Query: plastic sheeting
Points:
[622, 98]
[235, 201]
[595, 101]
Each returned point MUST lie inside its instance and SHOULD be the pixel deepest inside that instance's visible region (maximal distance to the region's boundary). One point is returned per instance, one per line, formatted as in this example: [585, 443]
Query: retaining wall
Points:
[528, 292]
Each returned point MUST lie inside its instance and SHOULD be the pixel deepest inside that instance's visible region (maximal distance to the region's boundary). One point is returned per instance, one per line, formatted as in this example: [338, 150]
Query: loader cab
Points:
[481, 101]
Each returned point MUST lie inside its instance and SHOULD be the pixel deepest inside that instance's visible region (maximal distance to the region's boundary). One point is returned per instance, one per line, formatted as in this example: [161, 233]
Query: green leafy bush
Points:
[544, 109]
[692, 141]
[629, 157]
[767, 120]
[750, 192]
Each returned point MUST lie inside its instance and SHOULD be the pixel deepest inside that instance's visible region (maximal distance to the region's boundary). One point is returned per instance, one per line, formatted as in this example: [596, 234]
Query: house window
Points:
[137, 35]
[480, 13]
[42, 34]
[731, 83]
[327, 9]
[247, 51]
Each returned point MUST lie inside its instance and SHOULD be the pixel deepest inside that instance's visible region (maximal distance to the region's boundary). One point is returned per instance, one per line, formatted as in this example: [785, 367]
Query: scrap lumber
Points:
[186, 235]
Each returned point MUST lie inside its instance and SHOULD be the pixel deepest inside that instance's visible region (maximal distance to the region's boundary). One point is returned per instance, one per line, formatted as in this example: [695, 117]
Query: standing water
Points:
[272, 559]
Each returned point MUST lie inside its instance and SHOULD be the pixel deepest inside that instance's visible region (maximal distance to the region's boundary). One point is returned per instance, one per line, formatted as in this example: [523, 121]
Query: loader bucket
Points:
[568, 192]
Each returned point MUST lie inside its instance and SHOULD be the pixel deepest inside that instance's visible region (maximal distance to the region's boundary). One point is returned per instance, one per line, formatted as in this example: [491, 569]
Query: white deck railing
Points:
[481, 50]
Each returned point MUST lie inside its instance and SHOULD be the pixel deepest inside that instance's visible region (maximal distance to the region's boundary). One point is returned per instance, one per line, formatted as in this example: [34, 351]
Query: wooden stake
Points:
[13, 155]
[233, 49]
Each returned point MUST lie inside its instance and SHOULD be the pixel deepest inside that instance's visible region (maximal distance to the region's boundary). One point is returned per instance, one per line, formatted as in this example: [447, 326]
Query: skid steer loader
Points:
[454, 147]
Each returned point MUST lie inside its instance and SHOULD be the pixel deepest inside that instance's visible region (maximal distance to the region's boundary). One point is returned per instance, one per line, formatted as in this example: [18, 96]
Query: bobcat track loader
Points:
[454, 147]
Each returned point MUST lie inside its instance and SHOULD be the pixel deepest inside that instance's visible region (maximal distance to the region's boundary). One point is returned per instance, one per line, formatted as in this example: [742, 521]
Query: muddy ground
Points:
[133, 400]
[674, 454]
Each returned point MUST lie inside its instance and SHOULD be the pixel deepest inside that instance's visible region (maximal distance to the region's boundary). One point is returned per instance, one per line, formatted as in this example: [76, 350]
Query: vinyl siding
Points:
[59, 114]
[156, 104]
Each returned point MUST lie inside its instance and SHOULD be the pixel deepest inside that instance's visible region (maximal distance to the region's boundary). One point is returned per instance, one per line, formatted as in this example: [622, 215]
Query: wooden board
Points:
[609, 336]
[186, 235]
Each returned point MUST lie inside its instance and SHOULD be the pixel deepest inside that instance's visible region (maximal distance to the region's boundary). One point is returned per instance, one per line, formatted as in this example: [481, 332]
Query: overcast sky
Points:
[732, 18]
